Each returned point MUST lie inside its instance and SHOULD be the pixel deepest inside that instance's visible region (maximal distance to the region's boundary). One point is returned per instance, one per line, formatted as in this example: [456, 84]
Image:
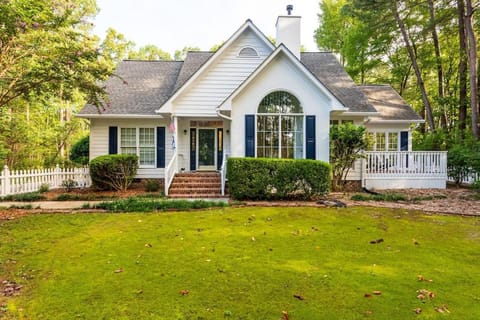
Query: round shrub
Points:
[79, 151]
[114, 171]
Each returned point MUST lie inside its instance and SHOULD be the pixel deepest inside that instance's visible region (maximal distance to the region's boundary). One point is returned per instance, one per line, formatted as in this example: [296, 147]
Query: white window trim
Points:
[386, 139]
[137, 145]
[280, 132]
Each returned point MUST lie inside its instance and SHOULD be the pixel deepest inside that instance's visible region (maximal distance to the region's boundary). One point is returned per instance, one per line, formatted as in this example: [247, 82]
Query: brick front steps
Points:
[197, 184]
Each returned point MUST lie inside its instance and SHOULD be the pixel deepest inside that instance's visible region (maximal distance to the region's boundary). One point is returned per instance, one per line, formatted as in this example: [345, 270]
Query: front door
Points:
[206, 149]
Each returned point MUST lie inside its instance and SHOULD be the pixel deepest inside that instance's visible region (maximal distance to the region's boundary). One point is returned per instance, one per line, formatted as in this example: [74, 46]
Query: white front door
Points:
[206, 149]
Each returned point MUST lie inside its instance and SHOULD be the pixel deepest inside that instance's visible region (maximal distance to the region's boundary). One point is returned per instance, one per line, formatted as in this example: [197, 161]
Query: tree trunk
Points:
[438, 58]
[462, 69]
[421, 85]
[472, 62]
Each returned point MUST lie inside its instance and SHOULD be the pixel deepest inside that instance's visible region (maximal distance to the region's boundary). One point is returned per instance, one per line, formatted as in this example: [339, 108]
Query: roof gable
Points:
[214, 58]
[282, 49]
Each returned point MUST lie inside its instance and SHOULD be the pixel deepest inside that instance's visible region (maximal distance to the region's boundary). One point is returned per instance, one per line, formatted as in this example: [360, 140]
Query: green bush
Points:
[152, 185]
[44, 188]
[463, 159]
[79, 151]
[24, 197]
[114, 171]
[277, 179]
[146, 205]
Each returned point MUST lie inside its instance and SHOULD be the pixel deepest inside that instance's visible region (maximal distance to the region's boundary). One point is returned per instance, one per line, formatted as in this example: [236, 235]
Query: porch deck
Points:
[404, 169]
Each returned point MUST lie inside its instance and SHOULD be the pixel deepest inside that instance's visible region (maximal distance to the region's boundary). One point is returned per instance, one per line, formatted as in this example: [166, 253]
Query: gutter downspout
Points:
[222, 115]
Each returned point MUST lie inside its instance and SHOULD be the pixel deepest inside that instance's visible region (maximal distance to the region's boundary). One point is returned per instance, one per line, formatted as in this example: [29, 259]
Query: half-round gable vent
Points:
[248, 52]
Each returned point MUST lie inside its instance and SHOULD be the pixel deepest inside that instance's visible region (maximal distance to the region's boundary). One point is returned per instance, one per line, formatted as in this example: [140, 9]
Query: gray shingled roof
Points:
[193, 61]
[330, 72]
[389, 103]
[143, 86]
[139, 87]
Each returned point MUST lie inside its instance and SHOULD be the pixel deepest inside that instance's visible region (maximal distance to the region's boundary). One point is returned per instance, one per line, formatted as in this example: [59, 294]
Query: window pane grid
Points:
[139, 141]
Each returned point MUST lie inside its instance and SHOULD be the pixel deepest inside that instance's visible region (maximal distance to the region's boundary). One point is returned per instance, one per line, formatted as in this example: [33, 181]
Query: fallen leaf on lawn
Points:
[118, 270]
[367, 295]
[420, 277]
[148, 245]
[377, 241]
[377, 292]
[421, 296]
[415, 242]
[184, 292]
[253, 238]
[299, 296]
[368, 312]
[284, 315]
[431, 295]
[418, 310]
[139, 291]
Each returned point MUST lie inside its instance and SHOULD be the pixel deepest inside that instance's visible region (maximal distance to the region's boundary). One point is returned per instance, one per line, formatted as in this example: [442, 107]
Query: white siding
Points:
[282, 74]
[99, 139]
[222, 77]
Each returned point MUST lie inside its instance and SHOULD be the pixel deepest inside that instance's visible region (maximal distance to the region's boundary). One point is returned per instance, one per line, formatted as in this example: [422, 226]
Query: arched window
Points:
[280, 126]
[248, 52]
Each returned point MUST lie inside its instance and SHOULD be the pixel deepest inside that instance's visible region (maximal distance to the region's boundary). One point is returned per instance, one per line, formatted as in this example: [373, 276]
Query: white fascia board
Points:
[223, 48]
[394, 121]
[119, 116]
[196, 115]
[336, 104]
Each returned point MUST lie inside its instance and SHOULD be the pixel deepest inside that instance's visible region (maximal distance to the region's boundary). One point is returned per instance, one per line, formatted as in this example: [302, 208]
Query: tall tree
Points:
[149, 52]
[416, 68]
[472, 62]
[462, 67]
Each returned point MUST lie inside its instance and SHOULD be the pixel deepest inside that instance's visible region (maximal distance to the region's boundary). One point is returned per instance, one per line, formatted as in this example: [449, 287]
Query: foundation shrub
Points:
[114, 171]
[277, 179]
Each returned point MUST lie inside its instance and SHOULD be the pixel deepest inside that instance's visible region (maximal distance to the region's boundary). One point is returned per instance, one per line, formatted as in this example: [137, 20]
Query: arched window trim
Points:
[253, 55]
[280, 113]
[290, 125]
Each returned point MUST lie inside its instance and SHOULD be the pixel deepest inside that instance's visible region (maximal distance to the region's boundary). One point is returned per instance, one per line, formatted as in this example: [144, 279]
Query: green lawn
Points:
[242, 263]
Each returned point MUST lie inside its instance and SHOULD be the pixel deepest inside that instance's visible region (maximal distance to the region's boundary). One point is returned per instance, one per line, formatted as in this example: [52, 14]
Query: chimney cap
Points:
[289, 9]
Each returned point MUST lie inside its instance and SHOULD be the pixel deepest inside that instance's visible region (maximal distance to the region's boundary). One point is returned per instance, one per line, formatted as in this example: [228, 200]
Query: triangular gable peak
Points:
[282, 51]
[221, 74]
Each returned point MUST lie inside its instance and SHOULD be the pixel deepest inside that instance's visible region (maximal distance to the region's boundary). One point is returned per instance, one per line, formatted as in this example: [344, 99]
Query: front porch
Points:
[404, 170]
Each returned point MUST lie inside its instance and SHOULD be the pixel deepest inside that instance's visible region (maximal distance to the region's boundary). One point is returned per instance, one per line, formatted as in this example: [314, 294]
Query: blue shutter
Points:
[160, 147]
[249, 135]
[310, 137]
[193, 149]
[404, 141]
[112, 140]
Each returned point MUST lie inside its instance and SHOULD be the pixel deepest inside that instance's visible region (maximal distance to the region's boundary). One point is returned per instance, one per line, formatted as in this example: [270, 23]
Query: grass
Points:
[147, 205]
[242, 263]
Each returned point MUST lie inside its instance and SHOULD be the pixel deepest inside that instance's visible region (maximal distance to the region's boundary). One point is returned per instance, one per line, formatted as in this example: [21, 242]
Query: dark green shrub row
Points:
[270, 179]
[25, 197]
[389, 197]
[145, 205]
[79, 151]
[114, 171]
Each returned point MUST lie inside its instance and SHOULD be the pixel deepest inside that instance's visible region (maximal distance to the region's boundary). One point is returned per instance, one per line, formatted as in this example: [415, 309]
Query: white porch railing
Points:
[422, 169]
[23, 181]
[170, 171]
[223, 172]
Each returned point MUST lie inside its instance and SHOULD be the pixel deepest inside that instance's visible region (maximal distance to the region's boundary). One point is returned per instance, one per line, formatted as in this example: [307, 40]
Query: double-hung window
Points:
[384, 141]
[139, 141]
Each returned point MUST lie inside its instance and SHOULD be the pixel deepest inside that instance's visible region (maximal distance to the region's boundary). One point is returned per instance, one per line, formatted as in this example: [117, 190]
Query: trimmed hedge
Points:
[113, 171]
[277, 179]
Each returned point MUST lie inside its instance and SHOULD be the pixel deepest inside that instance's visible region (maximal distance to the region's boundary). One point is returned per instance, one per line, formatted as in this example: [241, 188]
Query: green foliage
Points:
[145, 205]
[149, 52]
[113, 172]
[44, 188]
[69, 185]
[322, 254]
[265, 179]
[79, 152]
[389, 197]
[347, 142]
[463, 160]
[152, 185]
[180, 55]
[24, 197]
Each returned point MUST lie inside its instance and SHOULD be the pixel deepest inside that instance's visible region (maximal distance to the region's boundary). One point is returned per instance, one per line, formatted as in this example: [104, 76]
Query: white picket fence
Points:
[23, 181]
